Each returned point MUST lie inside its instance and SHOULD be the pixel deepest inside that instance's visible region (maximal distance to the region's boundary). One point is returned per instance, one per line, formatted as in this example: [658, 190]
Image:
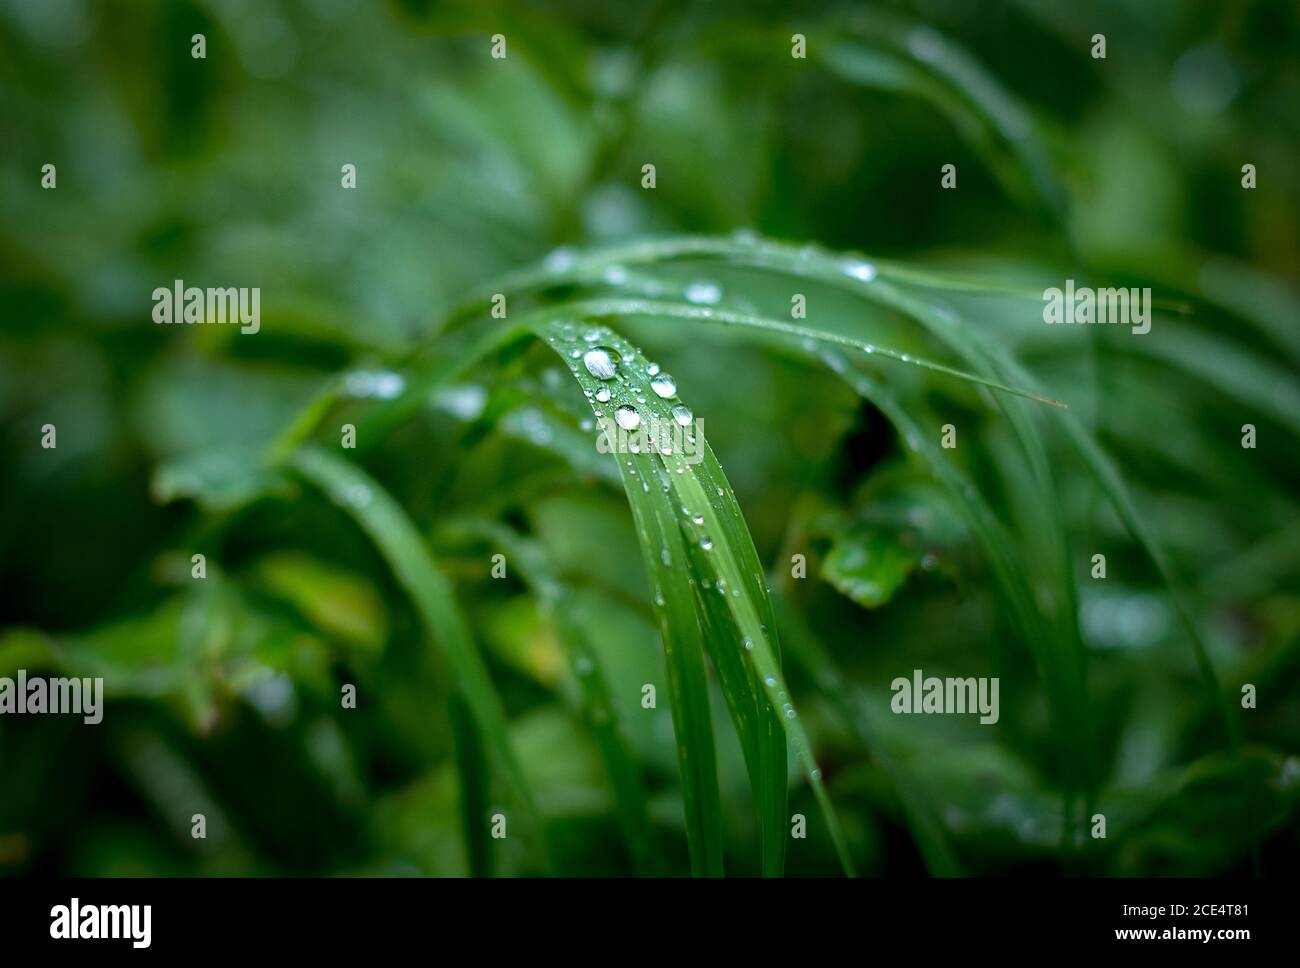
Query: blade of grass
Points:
[922, 820]
[697, 513]
[397, 538]
[531, 563]
[472, 772]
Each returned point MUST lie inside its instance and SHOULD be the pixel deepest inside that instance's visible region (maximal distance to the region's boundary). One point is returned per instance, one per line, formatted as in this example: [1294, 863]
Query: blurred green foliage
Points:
[224, 693]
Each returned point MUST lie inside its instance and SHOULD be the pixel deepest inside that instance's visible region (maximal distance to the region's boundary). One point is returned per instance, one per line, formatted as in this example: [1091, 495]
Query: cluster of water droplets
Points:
[607, 359]
[375, 384]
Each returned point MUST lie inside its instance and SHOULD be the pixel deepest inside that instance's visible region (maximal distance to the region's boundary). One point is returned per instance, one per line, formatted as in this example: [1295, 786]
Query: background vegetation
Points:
[523, 695]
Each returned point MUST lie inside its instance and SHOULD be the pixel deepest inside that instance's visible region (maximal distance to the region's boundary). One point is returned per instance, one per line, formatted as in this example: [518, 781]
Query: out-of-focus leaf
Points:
[869, 566]
[337, 601]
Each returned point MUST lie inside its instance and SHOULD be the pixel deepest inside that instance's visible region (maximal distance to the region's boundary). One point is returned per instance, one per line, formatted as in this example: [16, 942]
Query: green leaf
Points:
[868, 566]
[337, 601]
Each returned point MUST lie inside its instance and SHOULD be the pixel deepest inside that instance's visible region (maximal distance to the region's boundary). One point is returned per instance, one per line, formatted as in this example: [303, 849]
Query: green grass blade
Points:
[670, 310]
[397, 538]
[700, 518]
[923, 821]
[531, 563]
[472, 771]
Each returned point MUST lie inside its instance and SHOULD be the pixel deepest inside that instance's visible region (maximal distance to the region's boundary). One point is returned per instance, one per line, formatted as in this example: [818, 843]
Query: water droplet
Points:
[749, 645]
[356, 495]
[665, 557]
[382, 384]
[770, 681]
[600, 363]
[465, 401]
[664, 385]
[558, 260]
[704, 293]
[706, 543]
[652, 369]
[683, 416]
[603, 394]
[858, 269]
[698, 518]
[627, 417]
[614, 275]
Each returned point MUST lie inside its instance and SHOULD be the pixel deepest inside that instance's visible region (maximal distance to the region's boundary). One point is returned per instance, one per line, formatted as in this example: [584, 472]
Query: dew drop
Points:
[682, 415]
[706, 543]
[858, 269]
[561, 259]
[704, 293]
[664, 385]
[355, 495]
[600, 363]
[627, 417]
[603, 394]
[382, 384]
